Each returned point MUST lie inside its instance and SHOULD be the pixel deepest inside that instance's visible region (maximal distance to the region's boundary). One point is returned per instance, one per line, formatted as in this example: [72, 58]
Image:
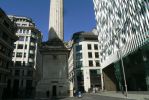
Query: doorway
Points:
[54, 91]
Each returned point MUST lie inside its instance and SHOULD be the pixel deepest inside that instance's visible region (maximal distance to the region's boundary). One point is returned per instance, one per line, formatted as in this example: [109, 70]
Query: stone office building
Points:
[7, 39]
[84, 67]
[23, 77]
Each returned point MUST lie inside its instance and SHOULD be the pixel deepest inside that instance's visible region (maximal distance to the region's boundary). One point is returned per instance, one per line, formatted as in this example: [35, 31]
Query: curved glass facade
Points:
[121, 24]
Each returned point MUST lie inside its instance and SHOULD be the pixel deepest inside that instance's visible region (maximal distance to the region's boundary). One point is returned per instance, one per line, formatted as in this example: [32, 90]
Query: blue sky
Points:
[78, 14]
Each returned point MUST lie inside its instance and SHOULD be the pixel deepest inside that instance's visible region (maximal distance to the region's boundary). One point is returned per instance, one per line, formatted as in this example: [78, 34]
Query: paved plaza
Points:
[104, 96]
[94, 97]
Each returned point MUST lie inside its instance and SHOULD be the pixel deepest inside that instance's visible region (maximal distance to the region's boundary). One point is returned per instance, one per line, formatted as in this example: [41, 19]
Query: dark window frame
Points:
[89, 46]
[90, 63]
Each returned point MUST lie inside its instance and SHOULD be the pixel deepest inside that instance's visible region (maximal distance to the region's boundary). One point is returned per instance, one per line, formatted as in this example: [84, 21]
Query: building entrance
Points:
[95, 79]
[54, 91]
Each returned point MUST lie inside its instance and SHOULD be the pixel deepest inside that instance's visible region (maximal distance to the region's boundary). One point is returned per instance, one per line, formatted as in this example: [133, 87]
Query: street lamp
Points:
[123, 70]
[122, 63]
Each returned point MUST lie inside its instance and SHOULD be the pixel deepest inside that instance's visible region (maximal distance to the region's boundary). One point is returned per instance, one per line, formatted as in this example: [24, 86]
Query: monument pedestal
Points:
[54, 71]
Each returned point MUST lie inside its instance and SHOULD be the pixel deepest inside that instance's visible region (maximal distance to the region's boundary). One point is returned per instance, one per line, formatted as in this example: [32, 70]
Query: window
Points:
[9, 53]
[27, 31]
[19, 54]
[89, 46]
[30, 64]
[13, 54]
[1, 47]
[7, 65]
[32, 56]
[0, 77]
[54, 57]
[5, 78]
[80, 76]
[29, 73]
[89, 54]
[21, 82]
[123, 40]
[24, 54]
[18, 63]
[6, 24]
[1, 62]
[78, 56]
[94, 72]
[96, 55]
[24, 24]
[17, 72]
[22, 72]
[18, 24]
[78, 64]
[20, 46]
[97, 63]
[33, 39]
[21, 38]
[29, 84]
[90, 63]
[26, 39]
[95, 46]
[78, 48]
[5, 36]
[14, 46]
[3, 50]
[32, 47]
[23, 63]
[25, 46]
[23, 30]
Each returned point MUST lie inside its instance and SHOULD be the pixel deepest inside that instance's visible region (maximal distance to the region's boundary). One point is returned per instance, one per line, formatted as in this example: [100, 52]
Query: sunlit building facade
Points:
[122, 27]
[84, 67]
[23, 79]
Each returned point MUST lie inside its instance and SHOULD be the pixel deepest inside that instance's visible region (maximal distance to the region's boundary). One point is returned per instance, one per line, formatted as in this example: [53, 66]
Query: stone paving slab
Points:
[131, 95]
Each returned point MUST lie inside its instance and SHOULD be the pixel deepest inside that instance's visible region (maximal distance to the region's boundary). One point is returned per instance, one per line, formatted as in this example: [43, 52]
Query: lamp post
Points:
[123, 70]
[102, 81]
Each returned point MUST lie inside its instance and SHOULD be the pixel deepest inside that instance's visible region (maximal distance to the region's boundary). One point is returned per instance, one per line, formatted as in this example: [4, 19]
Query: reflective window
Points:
[78, 48]
[78, 64]
[21, 38]
[78, 56]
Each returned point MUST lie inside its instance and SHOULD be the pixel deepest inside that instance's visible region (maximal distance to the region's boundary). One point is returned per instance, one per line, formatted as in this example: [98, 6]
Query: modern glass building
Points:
[122, 27]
